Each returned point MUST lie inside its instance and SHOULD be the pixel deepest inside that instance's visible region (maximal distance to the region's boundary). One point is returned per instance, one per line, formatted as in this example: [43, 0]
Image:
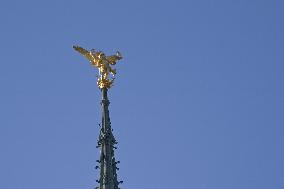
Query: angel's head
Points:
[101, 55]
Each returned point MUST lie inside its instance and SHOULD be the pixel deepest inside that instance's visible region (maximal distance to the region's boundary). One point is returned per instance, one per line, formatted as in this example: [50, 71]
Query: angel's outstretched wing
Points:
[113, 58]
[84, 52]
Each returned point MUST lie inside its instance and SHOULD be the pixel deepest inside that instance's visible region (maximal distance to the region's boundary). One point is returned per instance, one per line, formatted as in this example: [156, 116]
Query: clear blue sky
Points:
[198, 101]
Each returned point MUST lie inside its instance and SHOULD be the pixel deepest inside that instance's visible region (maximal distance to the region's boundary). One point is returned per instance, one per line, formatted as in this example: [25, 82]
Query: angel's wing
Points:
[113, 58]
[84, 52]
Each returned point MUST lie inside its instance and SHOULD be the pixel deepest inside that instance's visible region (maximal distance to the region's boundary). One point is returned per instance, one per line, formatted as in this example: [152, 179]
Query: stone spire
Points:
[106, 143]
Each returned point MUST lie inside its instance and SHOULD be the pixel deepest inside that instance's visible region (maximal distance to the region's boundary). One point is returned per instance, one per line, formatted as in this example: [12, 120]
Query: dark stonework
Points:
[106, 142]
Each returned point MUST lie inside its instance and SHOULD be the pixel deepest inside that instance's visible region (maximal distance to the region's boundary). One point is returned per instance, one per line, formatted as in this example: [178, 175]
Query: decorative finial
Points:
[103, 63]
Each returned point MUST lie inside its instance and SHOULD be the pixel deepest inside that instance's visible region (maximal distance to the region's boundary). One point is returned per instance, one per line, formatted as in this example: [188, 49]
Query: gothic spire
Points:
[106, 143]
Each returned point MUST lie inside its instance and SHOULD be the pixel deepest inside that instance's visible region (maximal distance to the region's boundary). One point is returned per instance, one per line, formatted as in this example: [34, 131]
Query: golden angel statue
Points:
[103, 63]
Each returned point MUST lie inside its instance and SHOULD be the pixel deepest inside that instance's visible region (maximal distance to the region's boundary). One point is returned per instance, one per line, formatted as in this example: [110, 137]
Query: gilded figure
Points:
[103, 63]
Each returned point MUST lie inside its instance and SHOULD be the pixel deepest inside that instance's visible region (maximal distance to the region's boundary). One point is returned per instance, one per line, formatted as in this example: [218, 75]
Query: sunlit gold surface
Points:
[103, 63]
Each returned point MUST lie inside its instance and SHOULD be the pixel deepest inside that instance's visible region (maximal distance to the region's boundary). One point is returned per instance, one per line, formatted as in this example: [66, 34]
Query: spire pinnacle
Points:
[106, 142]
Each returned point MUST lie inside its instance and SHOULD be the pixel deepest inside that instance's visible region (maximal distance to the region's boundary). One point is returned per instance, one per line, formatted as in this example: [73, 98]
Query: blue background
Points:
[198, 101]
